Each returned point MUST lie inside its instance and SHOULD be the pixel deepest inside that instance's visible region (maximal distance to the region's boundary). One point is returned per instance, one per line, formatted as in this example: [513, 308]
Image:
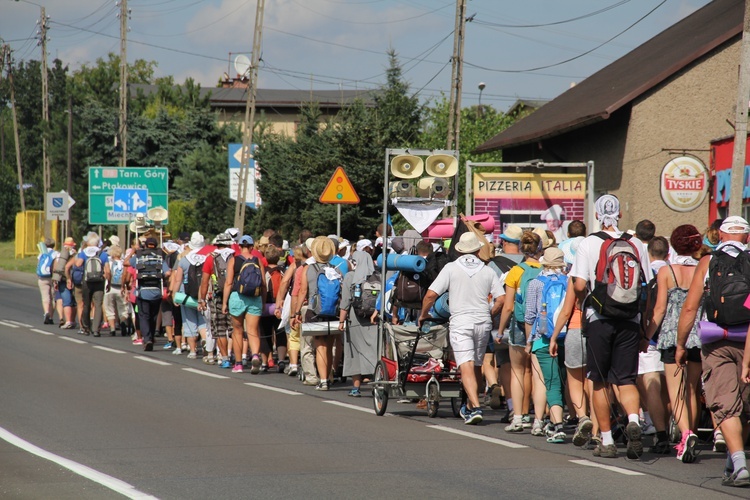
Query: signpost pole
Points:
[338, 220]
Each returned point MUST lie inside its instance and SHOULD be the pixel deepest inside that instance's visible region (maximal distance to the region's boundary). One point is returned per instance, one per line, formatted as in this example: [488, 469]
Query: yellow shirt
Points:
[513, 279]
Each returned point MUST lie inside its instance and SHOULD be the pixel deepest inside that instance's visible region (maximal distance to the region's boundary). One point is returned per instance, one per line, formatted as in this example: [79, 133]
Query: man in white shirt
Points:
[469, 283]
[613, 344]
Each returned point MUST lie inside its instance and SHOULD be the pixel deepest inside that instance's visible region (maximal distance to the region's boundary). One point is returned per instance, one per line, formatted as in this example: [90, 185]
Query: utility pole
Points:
[6, 55]
[247, 137]
[70, 157]
[454, 107]
[740, 124]
[123, 131]
[46, 171]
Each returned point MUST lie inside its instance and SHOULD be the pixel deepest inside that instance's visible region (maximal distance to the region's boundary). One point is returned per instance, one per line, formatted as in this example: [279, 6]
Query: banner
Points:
[530, 200]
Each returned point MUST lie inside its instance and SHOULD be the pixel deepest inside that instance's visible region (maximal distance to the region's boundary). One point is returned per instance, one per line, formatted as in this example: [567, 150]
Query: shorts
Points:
[66, 295]
[612, 351]
[270, 332]
[575, 349]
[650, 361]
[517, 333]
[192, 322]
[221, 324]
[239, 305]
[293, 339]
[667, 355]
[469, 342]
[726, 395]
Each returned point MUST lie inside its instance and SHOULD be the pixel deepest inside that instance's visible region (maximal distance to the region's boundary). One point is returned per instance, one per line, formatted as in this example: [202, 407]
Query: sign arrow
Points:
[121, 203]
[137, 202]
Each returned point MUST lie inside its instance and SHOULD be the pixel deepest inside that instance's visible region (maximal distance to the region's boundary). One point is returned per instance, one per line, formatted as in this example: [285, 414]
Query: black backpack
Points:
[148, 263]
[435, 263]
[364, 305]
[728, 289]
[192, 280]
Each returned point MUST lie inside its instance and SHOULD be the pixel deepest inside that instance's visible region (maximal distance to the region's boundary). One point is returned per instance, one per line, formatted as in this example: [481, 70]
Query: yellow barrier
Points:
[30, 232]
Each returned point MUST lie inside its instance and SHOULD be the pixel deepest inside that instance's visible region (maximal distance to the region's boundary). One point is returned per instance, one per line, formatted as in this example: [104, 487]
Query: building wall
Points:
[281, 122]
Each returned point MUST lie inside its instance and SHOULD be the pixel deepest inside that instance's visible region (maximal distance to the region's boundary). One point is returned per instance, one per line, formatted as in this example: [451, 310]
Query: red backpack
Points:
[619, 281]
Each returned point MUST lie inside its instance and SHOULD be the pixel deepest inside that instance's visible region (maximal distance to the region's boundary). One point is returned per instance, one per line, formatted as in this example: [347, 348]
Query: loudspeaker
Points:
[441, 165]
[135, 228]
[157, 215]
[433, 187]
[407, 166]
[401, 189]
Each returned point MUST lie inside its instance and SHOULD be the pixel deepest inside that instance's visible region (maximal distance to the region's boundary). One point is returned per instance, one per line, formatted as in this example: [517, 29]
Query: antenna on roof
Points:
[242, 65]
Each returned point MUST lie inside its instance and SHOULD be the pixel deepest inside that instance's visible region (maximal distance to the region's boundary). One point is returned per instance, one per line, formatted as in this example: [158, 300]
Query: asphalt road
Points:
[110, 420]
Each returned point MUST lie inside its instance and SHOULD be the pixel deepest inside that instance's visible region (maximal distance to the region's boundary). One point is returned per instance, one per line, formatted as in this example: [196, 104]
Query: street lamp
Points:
[479, 108]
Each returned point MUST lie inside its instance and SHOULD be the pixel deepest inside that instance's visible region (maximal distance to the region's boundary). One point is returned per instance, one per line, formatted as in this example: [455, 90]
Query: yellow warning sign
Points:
[339, 190]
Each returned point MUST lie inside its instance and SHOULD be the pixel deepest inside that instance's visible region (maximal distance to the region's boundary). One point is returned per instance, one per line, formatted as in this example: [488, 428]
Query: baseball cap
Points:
[246, 240]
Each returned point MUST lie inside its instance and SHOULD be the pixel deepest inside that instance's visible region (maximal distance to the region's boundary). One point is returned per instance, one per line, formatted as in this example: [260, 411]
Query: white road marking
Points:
[152, 360]
[75, 341]
[205, 374]
[26, 325]
[612, 468]
[9, 324]
[276, 389]
[110, 482]
[351, 407]
[36, 330]
[102, 348]
[501, 442]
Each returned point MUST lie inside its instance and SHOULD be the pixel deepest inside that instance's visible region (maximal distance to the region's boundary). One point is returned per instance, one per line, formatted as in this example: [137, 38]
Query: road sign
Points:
[339, 190]
[103, 181]
[130, 201]
[57, 206]
[252, 197]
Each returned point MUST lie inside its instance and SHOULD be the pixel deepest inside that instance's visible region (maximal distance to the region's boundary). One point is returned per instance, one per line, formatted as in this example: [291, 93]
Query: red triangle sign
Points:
[339, 190]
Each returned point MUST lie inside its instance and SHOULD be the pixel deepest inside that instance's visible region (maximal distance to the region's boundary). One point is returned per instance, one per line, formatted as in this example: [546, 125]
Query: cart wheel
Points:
[674, 431]
[456, 407]
[433, 400]
[301, 374]
[380, 394]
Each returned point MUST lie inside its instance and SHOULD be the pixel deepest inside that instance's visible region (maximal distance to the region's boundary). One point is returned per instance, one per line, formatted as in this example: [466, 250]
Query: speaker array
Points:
[439, 168]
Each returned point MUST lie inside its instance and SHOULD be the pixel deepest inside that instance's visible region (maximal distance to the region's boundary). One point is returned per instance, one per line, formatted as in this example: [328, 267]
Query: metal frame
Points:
[540, 165]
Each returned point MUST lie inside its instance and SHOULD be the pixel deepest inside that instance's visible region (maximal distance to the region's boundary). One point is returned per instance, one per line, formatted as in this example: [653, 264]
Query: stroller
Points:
[413, 364]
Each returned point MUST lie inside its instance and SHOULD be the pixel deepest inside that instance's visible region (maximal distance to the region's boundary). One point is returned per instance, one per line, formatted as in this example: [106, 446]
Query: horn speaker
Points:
[441, 165]
[401, 189]
[407, 166]
[158, 214]
[433, 187]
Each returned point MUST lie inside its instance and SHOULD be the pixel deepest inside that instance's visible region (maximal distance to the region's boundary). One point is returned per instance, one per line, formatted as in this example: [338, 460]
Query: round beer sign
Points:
[684, 183]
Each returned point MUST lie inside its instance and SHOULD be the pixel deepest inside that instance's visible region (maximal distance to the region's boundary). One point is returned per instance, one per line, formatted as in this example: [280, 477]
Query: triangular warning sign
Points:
[339, 190]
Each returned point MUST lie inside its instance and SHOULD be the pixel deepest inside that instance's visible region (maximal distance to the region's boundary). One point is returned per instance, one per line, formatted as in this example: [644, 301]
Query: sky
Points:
[342, 44]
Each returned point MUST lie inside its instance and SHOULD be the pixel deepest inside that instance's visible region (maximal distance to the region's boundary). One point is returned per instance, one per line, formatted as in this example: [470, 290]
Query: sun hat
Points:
[69, 242]
[233, 232]
[734, 225]
[246, 240]
[197, 241]
[362, 244]
[553, 257]
[222, 239]
[569, 248]
[512, 234]
[309, 242]
[468, 243]
[322, 249]
[114, 240]
[546, 242]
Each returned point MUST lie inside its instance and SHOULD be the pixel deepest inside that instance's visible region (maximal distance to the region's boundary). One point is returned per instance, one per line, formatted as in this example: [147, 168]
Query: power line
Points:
[554, 23]
[197, 29]
[349, 21]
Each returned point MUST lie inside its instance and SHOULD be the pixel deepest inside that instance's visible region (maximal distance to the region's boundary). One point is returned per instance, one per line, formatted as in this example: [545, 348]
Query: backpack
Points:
[407, 292]
[325, 302]
[435, 263]
[728, 288]
[364, 305]
[529, 273]
[219, 276]
[247, 281]
[117, 268]
[93, 270]
[618, 288]
[191, 281]
[76, 274]
[58, 271]
[148, 264]
[273, 283]
[553, 295]
[44, 266]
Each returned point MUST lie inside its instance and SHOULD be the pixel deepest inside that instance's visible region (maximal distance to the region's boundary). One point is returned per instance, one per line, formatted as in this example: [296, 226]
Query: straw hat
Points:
[468, 243]
[543, 235]
[512, 234]
[322, 249]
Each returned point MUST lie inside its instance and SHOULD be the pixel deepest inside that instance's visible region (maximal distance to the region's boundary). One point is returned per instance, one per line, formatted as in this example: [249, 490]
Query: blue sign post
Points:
[130, 200]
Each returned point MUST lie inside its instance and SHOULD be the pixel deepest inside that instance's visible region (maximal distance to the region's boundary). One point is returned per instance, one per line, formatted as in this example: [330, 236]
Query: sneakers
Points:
[536, 428]
[556, 437]
[495, 393]
[355, 393]
[105, 326]
[472, 417]
[209, 360]
[97, 334]
[148, 346]
[526, 421]
[177, 351]
[583, 431]
[184, 346]
[138, 342]
[661, 448]
[738, 479]
[263, 368]
[322, 386]
[237, 368]
[192, 355]
[686, 447]
[282, 367]
[226, 364]
[507, 418]
[608, 451]
[515, 426]
[48, 319]
[255, 365]
[311, 381]
[635, 445]
[648, 429]
[168, 345]
[293, 371]
[69, 325]
[720, 444]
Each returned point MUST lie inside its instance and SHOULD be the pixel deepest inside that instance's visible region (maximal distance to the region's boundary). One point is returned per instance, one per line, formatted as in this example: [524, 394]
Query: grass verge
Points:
[10, 263]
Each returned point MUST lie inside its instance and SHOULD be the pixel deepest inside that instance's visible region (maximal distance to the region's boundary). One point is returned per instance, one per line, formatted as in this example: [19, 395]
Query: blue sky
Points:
[342, 44]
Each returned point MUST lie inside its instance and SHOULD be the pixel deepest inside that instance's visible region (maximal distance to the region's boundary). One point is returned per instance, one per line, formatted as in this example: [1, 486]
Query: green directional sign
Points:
[104, 180]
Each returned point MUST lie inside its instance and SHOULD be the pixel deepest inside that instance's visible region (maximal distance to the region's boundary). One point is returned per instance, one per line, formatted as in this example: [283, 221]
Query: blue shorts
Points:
[242, 304]
[192, 322]
[67, 297]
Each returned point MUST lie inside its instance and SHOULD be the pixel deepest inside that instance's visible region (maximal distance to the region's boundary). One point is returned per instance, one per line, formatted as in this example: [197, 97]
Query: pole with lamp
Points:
[479, 107]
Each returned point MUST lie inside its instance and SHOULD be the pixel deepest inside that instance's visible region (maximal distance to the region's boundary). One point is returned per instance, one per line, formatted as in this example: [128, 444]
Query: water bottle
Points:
[426, 326]
[358, 291]
[541, 327]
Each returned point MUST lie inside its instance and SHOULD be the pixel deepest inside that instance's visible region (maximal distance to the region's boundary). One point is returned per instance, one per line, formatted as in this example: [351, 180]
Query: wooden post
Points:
[740, 125]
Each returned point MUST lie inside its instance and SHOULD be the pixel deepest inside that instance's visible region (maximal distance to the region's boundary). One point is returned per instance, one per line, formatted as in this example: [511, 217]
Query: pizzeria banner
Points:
[546, 200]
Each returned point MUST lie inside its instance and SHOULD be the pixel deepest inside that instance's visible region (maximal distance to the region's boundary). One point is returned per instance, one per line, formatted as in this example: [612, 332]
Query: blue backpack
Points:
[116, 266]
[44, 266]
[325, 302]
[553, 295]
[76, 274]
[529, 273]
[247, 277]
